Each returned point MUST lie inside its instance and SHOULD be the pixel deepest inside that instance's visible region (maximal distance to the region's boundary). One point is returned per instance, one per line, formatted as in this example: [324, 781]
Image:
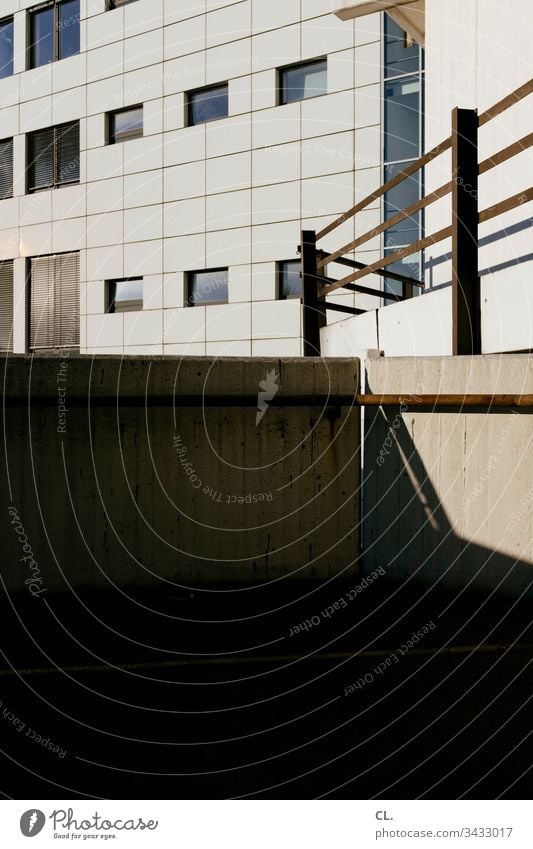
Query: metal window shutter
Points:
[6, 306]
[42, 303]
[67, 301]
[6, 169]
[41, 159]
[68, 153]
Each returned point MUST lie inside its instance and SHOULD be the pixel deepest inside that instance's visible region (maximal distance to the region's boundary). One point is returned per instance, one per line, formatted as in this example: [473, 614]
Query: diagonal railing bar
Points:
[506, 205]
[392, 275]
[505, 154]
[386, 225]
[396, 257]
[506, 102]
[386, 187]
[364, 290]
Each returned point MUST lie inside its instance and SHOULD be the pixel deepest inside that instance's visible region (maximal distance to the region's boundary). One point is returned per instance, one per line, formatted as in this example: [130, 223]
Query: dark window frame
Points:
[279, 279]
[110, 293]
[308, 63]
[189, 277]
[48, 4]
[9, 19]
[57, 182]
[9, 194]
[111, 132]
[117, 4]
[190, 103]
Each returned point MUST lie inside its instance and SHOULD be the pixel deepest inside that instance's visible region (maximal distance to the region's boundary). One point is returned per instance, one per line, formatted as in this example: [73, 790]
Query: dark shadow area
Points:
[358, 686]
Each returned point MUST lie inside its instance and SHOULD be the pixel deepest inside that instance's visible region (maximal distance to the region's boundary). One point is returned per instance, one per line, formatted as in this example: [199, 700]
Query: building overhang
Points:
[409, 14]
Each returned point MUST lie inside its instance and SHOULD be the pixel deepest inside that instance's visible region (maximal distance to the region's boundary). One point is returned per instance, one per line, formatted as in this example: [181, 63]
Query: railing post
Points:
[312, 313]
[466, 299]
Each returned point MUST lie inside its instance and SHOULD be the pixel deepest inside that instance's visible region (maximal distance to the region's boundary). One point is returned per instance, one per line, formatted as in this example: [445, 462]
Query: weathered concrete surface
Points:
[107, 481]
[449, 496]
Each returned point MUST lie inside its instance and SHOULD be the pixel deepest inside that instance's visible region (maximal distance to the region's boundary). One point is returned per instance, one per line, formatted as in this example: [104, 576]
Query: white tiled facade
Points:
[234, 192]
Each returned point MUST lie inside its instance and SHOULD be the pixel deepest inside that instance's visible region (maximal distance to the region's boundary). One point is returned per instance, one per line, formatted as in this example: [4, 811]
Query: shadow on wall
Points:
[448, 499]
[512, 260]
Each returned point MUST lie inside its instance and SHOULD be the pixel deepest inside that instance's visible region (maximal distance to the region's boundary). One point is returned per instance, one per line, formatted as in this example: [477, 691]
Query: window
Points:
[54, 157]
[299, 82]
[208, 104]
[125, 295]
[125, 124]
[6, 168]
[403, 141]
[6, 306]
[55, 301]
[207, 287]
[116, 4]
[289, 279]
[6, 48]
[54, 31]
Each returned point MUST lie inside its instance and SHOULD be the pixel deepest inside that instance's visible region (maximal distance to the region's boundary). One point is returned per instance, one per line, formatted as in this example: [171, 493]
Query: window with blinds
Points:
[6, 169]
[6, 306]
[55, 301]
[54, 157]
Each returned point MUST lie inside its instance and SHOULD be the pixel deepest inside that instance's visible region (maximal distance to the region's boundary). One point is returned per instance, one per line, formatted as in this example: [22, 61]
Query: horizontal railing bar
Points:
[392, 275]
[386, 225]
[505, 154]
[341, 308]
[378, 293]
[386, 187]
[366, 290]
[515, 97]
[506, 205]
[385, 261]
[415, 400]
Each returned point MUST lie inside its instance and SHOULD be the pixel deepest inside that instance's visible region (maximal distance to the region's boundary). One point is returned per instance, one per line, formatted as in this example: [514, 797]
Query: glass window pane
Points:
[290, 282]
[304, 81]
[402, 196]
[6, 49]
[402, 119]
[127, 124]
[126, 295]
[69, 28]
[399, 58]
[410, 266]
[42, 37]
[208, 287]
[208, 105]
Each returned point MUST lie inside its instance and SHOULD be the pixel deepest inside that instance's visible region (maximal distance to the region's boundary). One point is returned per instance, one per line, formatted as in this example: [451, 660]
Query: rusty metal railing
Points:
[463, 230]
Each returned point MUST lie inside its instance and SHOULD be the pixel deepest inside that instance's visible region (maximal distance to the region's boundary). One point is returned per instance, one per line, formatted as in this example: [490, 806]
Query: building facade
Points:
[159, 158]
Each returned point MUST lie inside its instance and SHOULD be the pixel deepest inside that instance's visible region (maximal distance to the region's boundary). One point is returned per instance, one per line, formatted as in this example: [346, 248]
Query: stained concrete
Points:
[150, 472]
[448, 498]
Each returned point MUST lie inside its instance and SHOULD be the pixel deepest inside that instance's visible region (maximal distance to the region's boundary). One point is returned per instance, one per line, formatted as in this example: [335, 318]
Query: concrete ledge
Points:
[194, 379]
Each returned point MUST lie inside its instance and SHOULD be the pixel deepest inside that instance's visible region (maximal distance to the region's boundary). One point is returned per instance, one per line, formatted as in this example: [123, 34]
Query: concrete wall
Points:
[448, 496]
[420, 327]
[189, 496]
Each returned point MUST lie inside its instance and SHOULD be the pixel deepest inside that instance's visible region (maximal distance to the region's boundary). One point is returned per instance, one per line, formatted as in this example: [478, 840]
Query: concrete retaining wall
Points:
[448, 497]
[96, 494]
